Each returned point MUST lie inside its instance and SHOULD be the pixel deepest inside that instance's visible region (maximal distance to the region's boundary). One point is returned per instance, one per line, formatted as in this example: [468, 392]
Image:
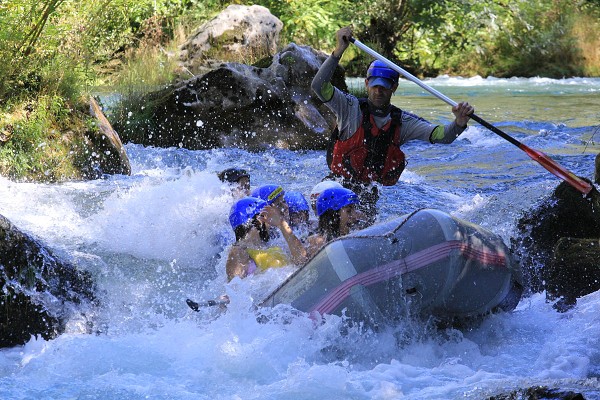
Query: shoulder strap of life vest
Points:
[378, 146]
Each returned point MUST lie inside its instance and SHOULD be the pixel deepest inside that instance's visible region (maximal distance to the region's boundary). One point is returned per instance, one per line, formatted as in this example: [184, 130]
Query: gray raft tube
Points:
[426, 263]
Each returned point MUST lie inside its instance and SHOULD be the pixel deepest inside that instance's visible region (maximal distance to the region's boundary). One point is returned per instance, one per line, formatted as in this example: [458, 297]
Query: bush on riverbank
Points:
[45, 140]
[55, 52]
[550, 38]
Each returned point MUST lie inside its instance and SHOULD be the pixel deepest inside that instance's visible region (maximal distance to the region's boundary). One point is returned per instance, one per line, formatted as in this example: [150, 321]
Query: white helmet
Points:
[318, 188]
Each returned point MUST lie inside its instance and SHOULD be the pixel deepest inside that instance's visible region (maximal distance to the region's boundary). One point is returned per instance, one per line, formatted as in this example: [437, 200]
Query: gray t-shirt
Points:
[349, 116]
[346, 107]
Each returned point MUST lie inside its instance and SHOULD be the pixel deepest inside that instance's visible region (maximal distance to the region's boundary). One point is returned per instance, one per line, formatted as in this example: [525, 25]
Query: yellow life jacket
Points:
[273, 257]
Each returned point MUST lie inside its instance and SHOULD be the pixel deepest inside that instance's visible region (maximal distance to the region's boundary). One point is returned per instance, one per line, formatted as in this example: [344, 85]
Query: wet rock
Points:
[238, 33]
[566, 213]
[238, 105]
[573, 272]
[538, 393]
[109, 156]
[40, 293]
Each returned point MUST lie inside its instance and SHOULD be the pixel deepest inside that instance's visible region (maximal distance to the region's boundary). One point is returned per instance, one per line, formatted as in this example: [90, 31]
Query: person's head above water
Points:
[269, 193]
[298, 207]
[336, 209]
[335, 199]
[244, 210]
[273, 195]
[318, 188]
[381, 83]
[233, 175]
[243, 217]
[236, 176]
[296, 202]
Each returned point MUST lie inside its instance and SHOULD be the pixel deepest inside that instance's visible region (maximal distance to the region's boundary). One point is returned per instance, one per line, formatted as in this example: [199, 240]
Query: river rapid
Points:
[151, 240]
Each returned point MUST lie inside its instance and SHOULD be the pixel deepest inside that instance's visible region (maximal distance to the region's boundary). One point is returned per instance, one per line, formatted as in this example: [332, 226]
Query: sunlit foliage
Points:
[56, 51]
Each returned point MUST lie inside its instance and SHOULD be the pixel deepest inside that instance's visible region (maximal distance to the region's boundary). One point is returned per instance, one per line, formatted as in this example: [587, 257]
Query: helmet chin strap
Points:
[378, 111]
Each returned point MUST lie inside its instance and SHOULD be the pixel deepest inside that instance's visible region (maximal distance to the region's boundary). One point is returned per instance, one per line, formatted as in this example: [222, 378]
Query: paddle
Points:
[545, 161]
[208, 303]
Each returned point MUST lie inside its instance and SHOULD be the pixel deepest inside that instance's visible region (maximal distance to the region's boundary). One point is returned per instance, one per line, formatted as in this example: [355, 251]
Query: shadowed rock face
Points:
[573, 271]
[40, 293]
[238, 105]
[565, 214]
[539, 392]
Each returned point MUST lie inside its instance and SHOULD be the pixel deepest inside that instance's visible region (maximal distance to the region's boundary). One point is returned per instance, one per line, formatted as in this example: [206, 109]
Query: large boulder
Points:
[573, 272]
[40, 293]
[566, 213]
[236, 34]
[238, 105]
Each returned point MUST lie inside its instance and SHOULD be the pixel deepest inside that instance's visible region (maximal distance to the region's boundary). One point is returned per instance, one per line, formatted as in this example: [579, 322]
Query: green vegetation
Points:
[56, 52]
[499, 38]
[45, 140]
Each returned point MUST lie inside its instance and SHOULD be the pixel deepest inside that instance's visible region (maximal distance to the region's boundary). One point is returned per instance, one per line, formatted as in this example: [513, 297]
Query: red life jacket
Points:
[371, 154]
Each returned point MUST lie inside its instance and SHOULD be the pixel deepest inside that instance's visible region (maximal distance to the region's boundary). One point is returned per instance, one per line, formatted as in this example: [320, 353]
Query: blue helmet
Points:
[244, 210]
[296, 202]
[268, 193]
[377, 70]
[335, 199]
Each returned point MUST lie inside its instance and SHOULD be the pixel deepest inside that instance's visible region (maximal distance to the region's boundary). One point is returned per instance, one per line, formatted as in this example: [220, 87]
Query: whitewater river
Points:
[150, 240]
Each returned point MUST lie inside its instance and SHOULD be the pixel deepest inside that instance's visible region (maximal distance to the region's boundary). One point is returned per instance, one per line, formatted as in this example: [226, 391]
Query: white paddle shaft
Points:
[405, 73]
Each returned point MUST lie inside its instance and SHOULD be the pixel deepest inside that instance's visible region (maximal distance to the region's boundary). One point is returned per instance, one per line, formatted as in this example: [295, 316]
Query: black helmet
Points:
[232, 175]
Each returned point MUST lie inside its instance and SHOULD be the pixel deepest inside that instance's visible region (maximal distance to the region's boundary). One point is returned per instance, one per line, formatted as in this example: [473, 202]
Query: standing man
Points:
[365, 146]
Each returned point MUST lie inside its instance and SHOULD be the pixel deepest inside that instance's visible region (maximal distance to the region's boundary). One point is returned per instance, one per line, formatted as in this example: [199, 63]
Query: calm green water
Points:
[574, 102]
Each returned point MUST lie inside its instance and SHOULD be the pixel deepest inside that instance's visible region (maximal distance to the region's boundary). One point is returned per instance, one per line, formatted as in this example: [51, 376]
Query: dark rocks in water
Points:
[566, 213]
[40, 293]
[574, 271]
[238, 105]
[538, 393]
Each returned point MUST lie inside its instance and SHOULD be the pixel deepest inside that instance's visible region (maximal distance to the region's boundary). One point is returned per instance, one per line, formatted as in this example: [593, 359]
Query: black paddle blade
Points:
[193, 305]
[208, 303]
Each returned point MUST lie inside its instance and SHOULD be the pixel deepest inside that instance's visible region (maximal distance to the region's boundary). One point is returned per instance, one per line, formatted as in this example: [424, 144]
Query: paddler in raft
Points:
[364, 149]
[337, 210]
[253, 250]
[318, 189]
[274, 195]
[299, 211]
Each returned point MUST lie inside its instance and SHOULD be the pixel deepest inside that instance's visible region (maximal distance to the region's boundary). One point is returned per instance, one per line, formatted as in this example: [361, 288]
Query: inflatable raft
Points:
[426, 263]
